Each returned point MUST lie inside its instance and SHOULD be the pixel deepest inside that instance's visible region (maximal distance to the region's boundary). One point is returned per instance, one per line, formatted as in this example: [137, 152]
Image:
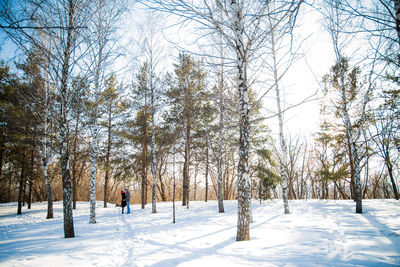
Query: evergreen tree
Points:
[113, 109]
[185, 95]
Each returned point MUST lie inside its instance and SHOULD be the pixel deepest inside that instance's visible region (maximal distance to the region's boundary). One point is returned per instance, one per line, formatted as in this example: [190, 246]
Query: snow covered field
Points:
[317, 233]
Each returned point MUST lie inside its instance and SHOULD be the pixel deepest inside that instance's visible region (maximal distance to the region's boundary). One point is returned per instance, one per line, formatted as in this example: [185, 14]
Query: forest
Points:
[188, 101]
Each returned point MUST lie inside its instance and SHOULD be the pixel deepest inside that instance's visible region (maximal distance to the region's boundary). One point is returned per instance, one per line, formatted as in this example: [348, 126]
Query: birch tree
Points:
[351, 92]
[241, 24]
[63, 21]
[152, 52]
[47, 135]
[106, 15]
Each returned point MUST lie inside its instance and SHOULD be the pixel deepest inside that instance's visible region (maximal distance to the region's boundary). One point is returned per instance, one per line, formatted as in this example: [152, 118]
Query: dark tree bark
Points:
[21, 185]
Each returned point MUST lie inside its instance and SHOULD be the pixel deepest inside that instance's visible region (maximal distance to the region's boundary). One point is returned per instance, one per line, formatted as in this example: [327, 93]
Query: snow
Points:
[316, 233]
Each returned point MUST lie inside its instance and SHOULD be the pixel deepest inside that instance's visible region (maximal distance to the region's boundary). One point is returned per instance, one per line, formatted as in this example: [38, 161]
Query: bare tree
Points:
[62, 22]
[153, 54]
[102, 52]
[352, 95]
[383, 139]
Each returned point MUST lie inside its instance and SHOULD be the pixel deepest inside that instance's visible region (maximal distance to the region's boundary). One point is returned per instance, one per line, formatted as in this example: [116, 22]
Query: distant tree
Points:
[351, 94]
[113, 107]
[185, 96]
[331, 157]
[78, 124]
[385, 129]
[140, 126]
[350, 100]
[268, 179]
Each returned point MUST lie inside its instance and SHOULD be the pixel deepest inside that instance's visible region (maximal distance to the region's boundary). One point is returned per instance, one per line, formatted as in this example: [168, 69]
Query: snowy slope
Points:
[317, 233]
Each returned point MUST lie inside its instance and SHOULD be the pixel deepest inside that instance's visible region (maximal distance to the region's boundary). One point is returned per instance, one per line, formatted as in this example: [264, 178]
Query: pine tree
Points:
[185, 95]
[350, 103]
[113, 108]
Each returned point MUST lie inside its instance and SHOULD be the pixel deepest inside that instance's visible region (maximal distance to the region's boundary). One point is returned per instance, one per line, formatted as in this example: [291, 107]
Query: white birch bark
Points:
[173, 192]
[244, 217]
[354, 151]
[63, 126]
[94, 140]
[282, 141]
[93, 156]
[336, 29]
[45, 153]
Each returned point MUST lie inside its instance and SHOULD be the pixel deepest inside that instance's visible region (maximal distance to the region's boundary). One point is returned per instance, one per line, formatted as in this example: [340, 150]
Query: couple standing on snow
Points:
[126, 196]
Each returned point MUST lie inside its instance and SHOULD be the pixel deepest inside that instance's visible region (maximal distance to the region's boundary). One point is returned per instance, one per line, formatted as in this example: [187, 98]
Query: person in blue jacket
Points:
[127, 198]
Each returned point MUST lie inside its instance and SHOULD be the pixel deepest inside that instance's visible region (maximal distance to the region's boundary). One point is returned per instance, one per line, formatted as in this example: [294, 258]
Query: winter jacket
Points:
[123, 200]
[128, 196]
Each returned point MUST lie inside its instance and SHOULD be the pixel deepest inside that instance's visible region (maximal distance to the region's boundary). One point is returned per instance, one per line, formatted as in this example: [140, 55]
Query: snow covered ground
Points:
[316, 233]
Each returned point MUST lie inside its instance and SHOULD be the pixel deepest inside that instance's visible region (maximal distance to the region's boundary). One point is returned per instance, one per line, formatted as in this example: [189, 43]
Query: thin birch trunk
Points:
[173, 193]
[107, 174]
[350, 137]
[207, 166]
[93, 155]
[63, 128]
[74, 185]
[282, 141]
[44, 152]
[144, 161]
[220, 132]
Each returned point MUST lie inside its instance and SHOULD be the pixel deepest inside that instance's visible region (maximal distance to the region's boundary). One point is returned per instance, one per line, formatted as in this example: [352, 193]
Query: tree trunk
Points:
[352, 181]
[144, 163]
[220, 133]
[186, 182]
[45, 161]
[48, 186]
[63, 128]
[93, 156]
[206, 174]
[173, 192]
[21, 185]
[153, 151]
[162, 186]
[282, 141]
[107, 174]
[389, 167]
[30, 180]
[353, 150]
[74, 189]
[1, 155]
[243, 185]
